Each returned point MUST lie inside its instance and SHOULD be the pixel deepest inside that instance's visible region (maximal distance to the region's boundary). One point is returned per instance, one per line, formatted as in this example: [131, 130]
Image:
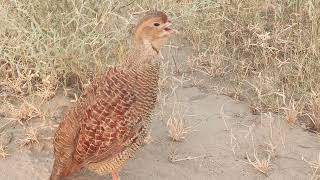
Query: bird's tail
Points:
[56, 173]
[74, 167]
[60, 171]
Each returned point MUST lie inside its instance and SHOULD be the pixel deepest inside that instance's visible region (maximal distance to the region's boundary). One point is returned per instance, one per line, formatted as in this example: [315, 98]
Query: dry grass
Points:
[269, 49]
[262, 161]
[315, 166]
[177, 129]
[262, 165]
[46, 45]
[291, 114]
[3, 152]
[21, 112]
[29, 139]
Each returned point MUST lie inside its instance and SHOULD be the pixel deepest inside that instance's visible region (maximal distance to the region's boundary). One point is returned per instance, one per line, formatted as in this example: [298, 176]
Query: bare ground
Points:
[222, 133]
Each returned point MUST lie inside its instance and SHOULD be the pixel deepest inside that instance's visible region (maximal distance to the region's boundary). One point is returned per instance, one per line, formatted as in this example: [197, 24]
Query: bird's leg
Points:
[115, 175]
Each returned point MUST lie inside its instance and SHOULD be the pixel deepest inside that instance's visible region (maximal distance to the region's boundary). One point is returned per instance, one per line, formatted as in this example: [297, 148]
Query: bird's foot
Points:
[115, 175]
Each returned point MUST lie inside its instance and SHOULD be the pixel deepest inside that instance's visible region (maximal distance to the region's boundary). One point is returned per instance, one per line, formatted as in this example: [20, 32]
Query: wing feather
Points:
[105, 127]
[101, 125]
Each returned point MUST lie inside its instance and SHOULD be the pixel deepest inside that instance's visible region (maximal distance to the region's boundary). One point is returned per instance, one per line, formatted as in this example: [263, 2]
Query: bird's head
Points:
[153, 31]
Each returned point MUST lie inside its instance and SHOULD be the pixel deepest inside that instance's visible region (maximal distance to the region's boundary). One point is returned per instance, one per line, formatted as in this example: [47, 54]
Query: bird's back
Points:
[109, 123]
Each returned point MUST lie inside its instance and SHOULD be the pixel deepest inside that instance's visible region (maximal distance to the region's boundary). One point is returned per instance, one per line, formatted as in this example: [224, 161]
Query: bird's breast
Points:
[145, 85]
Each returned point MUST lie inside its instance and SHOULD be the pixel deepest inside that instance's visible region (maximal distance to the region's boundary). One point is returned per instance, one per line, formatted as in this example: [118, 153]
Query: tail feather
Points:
[73, 168]
[61, 173]
[64, 147]
[56, 173]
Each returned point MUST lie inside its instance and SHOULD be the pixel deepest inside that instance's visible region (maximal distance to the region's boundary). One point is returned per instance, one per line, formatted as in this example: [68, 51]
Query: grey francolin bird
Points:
[111, 119]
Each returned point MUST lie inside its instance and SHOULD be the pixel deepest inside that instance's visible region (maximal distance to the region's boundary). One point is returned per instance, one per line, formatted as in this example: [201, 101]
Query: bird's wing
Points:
[105, 125]
[64, 144]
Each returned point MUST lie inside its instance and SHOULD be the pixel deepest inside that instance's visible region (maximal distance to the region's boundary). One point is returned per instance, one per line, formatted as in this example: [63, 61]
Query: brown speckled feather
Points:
[111, 116]
[111, 119]
[104, 124]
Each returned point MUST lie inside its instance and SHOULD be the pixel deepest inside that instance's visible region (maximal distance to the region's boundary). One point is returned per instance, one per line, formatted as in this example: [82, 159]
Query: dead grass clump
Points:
[177, 129]
[260, 164]
[30, 138]
[262, 161]
[27, 111]
[292, 110]
[176, 124]
[313, 113]
[315, 166]
[3, 152]
[21, 113]
[291, 114]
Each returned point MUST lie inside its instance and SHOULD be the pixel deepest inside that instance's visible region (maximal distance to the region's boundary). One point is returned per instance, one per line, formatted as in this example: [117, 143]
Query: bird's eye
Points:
[156, 24]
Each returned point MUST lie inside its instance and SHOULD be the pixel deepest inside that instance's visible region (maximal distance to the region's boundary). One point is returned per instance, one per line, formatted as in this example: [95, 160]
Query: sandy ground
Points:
[223, 137]
[222, 132]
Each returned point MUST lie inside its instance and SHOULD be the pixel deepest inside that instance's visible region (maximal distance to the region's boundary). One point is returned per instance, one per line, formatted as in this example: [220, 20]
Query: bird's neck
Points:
[142, 53]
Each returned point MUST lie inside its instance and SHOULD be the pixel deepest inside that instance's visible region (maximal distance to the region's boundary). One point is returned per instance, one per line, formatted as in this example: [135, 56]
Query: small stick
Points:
[187, 158]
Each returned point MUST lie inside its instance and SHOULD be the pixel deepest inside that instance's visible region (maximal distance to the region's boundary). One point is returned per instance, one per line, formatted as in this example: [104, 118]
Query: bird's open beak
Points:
[167, 28]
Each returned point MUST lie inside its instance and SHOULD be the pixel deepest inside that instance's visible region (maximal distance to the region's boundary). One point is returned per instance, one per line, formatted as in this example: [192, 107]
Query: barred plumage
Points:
[112, 117]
